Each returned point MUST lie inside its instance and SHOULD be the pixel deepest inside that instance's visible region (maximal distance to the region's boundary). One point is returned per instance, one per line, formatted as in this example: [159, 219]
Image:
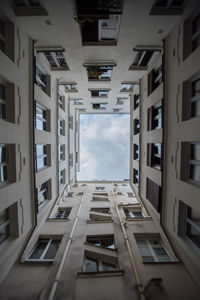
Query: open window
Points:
[155, 116]
[7, 164]
[155, 78]
[136, 126]
[99, 21]
[154, 156]
[42, 79]
[7, 38]
[28, 8]
[55, 58]
[7, 100]
[168, 7]
[136, 177]
[100, 214]
[43, 194]
[103, 93]
[104, 241]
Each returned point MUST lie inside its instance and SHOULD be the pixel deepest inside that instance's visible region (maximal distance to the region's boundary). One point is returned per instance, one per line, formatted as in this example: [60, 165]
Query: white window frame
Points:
[4, 164]
[41, 259]
[150, 247]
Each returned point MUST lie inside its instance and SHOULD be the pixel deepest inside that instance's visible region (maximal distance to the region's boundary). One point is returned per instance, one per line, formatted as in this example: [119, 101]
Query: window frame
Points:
[101, 239]
[41, 259]
[148, 239]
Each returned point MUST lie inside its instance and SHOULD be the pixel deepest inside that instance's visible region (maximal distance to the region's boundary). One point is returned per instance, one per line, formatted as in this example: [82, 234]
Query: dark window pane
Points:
[108, 267]
[53, 248]
[91, 265]
[37, 253]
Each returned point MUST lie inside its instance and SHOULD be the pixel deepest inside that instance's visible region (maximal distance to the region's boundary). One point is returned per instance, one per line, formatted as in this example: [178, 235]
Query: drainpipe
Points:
[56, 279]
[140, 286]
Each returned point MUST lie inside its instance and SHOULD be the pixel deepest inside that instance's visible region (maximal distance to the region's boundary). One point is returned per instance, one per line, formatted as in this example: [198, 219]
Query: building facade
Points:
[64, 239]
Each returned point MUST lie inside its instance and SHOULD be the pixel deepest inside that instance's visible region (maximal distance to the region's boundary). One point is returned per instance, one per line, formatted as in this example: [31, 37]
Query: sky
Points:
[104, 147]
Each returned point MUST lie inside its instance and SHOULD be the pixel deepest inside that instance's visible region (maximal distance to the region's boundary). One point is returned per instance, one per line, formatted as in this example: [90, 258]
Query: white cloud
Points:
[104, 146]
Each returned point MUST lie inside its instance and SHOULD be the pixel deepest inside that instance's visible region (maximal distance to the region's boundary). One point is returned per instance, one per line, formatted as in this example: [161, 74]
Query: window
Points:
[3, 164]
[45, 250]
[189, 224]
[42, 118]
[136, 151]
[155, 116]
[136, 126]
[127, 87]
[191, 98]
[100, 214]
[97, 265]
[29, 8]
[100, 188]
[99, 93]
[99, 21]
[7, 36]
[42, 79]
[7, 164]
[71, 162]
[62, 213]
[103, 210]
[191, 34]
[70, 87]
[61, 101]
[99, 106]
[155, 78]
[190, 162]
[136, 101]
[133, 213]
[61, 152]
[9, 226]
[43, 194]
[102, 241]
[2, 102]
[152, 250]
[56, 60]
[194, 163]
[61, 127]
[168, 7]
[120, 101]
[154, 157]
[142, 58]
[136, 177]
[130, 194]
[77, 101]
[61, 178]
[4, 225]
[102, 73]
[154, 194]
[7, 101]
[71, 122]
[42, 156]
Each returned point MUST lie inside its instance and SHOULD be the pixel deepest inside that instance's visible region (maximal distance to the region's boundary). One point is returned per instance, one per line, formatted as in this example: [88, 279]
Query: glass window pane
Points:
[53, 248]
[91, 265]
[195, 172]
[38, 251]
[161, 254]
[108, 267]
[4, 233]
[195, 151]
[4, 216]
[144, 251]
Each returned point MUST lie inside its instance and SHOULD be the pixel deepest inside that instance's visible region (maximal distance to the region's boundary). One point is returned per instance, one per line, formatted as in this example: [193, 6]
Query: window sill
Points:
[99, 221]
[139, 219]
[101, 274]
[57, 220]
[160, 262]
[37, 262]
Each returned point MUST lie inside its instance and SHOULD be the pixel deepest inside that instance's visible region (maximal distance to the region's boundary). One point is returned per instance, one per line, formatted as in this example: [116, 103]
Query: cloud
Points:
[104, 146]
